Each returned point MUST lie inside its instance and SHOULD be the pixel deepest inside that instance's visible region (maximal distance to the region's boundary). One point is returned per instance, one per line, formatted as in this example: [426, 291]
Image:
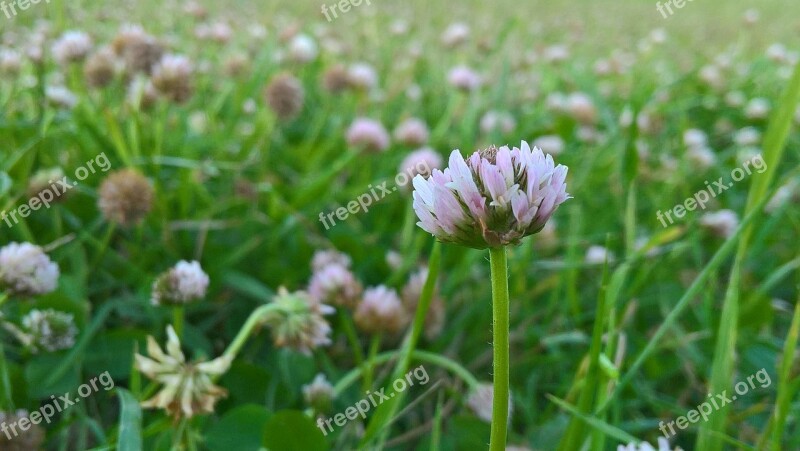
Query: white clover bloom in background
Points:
[48, 330]
[597, 255]
[421, 162]
[61, 97]
[550, 144]
[757, 108]
[556, 54]
[10, 61]
[787, 193]
[412, 132]
[336, 285]
[663, 445]
[703, 157]
[319, 393]
[362, 76]
[581, 107]
[298, 322]
[721, 223]
[380, 311]
[25, 270]
[480, 402]
[735, 99]
[695, 138]
[464, 78]
[501, 121]
[455, 34]
[172, 77]
[748, 136]
[72, 46]
[368, 134]
[184, 283]
[302, 49]
[493, 198]
[323, 258]
[187, 387]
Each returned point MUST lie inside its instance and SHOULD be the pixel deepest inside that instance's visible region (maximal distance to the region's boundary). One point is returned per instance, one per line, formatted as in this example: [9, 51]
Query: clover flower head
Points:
[421, 162]
[480, 402]
[335, 284]
[324, 258]
[298, 322]
[369, 134]
[49, 330]
[380, 310]
[26, 270]
[663, 445]
[493, 198]
[319, 393]
[181, 284]
[187, 387]
[412, 132]
[72, 46]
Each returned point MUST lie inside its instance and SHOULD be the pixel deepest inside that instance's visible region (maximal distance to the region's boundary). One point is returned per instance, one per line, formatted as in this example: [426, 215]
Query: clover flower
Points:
[172, 77]
[48, 330]
[336, 285]
[421, 162]
[32, 439]
[25, 270]
[183, 283]
[298, 322]
[319, 393]
[125, 197]
[322, 259]
[663, 445]
[550, 144]
[412, 132]
[188, 387]
[721, 223]
[99, 69]
[285, 96]
[464, 78]
[71, 47]
[411, 293]
[380, 311]
[493, 198]
[369, 134]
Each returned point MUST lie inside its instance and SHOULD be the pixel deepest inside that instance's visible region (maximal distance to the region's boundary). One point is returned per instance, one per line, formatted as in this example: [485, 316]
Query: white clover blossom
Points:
[72, 46]
[26, 270]
[183, 283]
[380, 311]
[297, 321]
[493, 198]
[663, 445]
[49, 330]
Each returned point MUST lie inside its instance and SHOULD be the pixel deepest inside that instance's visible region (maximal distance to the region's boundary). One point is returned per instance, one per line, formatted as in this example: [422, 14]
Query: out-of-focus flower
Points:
[790, 192]
[597, 255]
[125, 197]
[501, 121]
[48, 330]
[10, 61]
[336, 285]
[45, 179]
[61, 97]
[362, 76]
[735, 99]
[556, 54]
[412, 132]
[141, 93]
[32, 439]
[581, 107]
[285, 96]
[751, 16]
[380, 311]
[100, 68]
[455, 34]
[721, 223]
[712, 76]
[183, 283]
[411, 293]
[172, 77]
[325, 258]
[71, 47]
[757, 108]
[694, 138]
[319, 393]
[464, 78]
[139, 50]
[188, 387]
[663, 445]
[25, 270]
[302, 49]
[336, 79]
[550, 144]
[421, 162]
[298, 321]
[480, 402]
[493, 198]
[748, 136]
[368, 134]
[778, 53]
[394, 260]
[703, 157]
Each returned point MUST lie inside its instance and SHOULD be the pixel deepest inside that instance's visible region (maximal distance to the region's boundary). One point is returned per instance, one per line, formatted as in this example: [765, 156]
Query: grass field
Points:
[209, 238]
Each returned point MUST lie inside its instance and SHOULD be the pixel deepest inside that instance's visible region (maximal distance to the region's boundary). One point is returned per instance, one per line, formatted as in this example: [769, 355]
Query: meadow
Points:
[265, 226]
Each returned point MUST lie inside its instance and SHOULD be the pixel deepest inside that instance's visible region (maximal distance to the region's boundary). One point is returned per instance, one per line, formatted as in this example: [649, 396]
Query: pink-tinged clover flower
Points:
[493, 198]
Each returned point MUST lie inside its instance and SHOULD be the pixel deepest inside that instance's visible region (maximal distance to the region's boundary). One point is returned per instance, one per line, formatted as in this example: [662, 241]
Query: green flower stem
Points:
[422, 356]
[497, 441]
[252, 322]
[178, 320]
[352, 337]
[374, 346]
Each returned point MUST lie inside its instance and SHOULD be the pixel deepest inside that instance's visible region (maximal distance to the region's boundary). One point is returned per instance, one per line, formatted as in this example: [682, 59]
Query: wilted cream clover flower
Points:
[380, 311]
[297, 321]
[125, 197]
[32, 439]
[494, 198]
[181, 284]
[285, 96]
[480, 402]
[172, 77]
[336, 285]
[48, 330]
[663, 445]
[369, 134]
[25, 270]
[319, 393]
[71, 47]
[188, 387]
